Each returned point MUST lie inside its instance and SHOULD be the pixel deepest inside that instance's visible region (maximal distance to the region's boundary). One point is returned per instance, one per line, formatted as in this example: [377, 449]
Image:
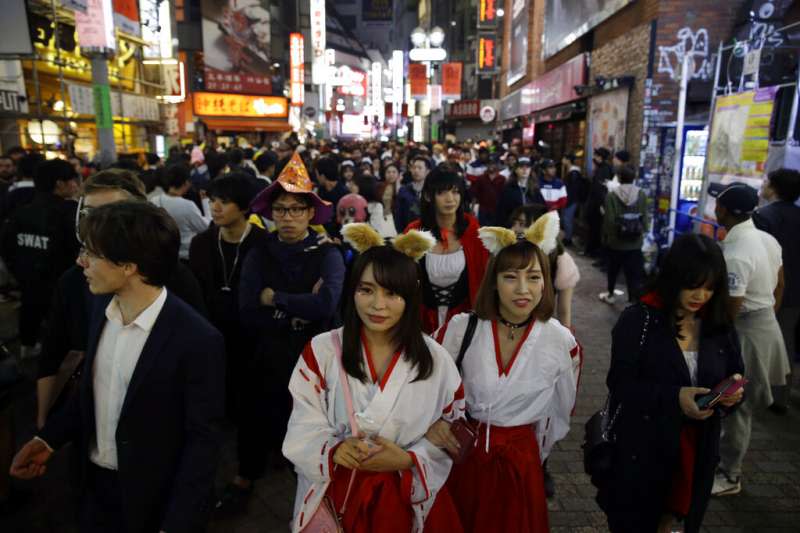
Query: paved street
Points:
[770, 501]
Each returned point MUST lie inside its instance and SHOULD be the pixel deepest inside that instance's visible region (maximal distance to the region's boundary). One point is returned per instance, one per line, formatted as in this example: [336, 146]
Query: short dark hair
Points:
[16, 150]
[27, 165]
[515, 257]
[627, 174]
[49, 172]
[400, 274]
[786, 184]
[235, 187]
[265, 160]
[694, 260]
[367, 187]
[623, 155]
[151, 158]
[115, 179]
[248, 153]
[326, 166]
[134, 232]
[571, 157]
[421, 158]
[303, 198]
[235, 157]
[127, 163]
[176, 175]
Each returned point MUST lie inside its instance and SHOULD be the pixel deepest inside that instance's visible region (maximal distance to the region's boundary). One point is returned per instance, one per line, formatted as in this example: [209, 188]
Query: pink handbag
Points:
[326, 519]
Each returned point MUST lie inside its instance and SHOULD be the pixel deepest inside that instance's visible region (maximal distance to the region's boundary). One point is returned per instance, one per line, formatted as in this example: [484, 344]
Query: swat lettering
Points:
[28, 240]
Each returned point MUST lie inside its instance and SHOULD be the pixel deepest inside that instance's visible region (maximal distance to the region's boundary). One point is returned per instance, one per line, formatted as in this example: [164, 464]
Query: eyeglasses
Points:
[84, 254]
[294, 211]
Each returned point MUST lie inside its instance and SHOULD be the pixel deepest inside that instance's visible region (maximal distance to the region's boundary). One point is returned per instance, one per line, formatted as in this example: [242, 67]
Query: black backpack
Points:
[629, 223]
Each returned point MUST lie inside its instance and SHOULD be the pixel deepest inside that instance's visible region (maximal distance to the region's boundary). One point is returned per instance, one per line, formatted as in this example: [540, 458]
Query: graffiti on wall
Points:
[690, 43]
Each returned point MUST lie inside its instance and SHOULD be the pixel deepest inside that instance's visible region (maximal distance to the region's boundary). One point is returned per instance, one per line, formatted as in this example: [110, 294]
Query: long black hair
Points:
[694, 261]
[400, 274]
[442, 178]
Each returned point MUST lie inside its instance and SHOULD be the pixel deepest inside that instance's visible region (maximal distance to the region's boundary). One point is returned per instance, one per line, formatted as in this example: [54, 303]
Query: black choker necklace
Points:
[512, 328]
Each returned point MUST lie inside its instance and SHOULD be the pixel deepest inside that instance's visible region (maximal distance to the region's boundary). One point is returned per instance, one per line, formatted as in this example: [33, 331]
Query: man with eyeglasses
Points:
[66, 337]
[289, 291]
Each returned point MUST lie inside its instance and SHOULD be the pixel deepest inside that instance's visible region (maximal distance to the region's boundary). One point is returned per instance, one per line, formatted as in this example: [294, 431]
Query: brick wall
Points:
[626, 55]
[535, 65]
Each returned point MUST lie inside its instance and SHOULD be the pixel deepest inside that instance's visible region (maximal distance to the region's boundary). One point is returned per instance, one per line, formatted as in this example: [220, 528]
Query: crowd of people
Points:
[394, 322]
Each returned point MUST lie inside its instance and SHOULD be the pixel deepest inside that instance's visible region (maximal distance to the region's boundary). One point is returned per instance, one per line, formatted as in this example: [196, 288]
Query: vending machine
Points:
[692, 162]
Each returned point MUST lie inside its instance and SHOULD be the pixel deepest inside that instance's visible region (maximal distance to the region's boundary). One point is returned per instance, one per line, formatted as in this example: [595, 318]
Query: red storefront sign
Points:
[554, 87]
[465, 109]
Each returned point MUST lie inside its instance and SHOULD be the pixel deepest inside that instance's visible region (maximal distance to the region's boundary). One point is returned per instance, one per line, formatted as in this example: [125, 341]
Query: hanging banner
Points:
[739, 141]
[319, 66]
[418, 79]
[239, 105]
[451, 81]
[487, 14]
[487, 53]
[297, 67]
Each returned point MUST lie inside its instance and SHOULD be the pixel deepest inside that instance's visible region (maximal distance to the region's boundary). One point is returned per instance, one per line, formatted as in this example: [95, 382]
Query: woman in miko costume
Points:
[452, 271]
[369, 464]
[520, 370]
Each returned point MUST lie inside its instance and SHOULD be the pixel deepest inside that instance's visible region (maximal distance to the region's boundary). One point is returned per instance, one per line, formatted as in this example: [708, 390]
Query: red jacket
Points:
[476, 258]
[487, 191]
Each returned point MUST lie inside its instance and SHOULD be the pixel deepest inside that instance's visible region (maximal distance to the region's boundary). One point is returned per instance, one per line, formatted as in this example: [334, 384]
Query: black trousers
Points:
[631, 262]
[101, 508]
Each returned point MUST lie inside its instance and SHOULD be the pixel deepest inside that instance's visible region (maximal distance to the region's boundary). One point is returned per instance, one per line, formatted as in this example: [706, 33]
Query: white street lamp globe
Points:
[418, 36]
[501, 12]
[437, 36]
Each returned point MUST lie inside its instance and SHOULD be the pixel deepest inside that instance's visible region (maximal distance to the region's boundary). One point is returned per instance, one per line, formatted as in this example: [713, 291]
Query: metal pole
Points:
[60, 73]
[105, 135]
[701, 205]
[676, 167]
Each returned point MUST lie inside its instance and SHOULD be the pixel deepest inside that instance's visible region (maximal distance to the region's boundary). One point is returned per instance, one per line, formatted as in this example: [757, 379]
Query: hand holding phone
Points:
[728, 392]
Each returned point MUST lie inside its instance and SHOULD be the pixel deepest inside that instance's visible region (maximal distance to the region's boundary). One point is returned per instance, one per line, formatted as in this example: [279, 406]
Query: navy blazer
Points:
[168, 436]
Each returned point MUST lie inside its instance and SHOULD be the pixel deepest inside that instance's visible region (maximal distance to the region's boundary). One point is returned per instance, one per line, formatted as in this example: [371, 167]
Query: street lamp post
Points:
[428, 49]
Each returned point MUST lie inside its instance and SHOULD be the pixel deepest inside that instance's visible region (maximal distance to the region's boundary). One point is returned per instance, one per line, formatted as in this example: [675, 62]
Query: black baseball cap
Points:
[738, 198]
[547, 163]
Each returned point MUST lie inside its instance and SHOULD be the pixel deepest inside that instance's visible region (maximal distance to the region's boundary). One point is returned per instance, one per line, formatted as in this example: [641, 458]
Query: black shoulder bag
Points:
[599, 439]
[462, 429]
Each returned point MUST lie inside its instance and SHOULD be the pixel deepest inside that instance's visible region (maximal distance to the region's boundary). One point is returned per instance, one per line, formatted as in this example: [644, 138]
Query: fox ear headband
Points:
[543, 233]
[414, 244]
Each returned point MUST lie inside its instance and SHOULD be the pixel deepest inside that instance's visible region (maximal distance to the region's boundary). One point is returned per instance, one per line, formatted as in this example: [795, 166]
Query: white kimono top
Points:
[538, 387]
[395, 409]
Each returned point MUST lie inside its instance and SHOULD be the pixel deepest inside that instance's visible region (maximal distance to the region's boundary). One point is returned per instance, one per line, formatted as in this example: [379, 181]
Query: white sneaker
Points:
[607, 298]
[725, 486]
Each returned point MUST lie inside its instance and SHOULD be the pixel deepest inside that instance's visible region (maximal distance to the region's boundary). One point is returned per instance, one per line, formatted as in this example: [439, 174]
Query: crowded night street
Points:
[399, 266]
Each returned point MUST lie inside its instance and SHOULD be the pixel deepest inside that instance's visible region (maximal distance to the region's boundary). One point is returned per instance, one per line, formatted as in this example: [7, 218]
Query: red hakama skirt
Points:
[502, 490]
[379, 503]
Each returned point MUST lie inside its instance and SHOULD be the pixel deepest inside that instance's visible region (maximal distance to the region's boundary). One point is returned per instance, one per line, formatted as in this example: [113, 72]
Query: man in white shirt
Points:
[187, 215]
[755, 282]
[146, 417]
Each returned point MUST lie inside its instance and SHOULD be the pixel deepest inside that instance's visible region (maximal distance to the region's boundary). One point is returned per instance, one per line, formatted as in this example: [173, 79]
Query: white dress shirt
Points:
[117, 354]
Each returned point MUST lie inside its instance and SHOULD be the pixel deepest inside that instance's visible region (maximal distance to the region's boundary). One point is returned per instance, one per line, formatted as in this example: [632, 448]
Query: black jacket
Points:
[68, 319]
[647, 383]
[168, 436]
[513, 198]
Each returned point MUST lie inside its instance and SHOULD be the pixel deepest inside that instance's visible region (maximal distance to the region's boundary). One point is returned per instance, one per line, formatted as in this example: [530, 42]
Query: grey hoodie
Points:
[628, 193]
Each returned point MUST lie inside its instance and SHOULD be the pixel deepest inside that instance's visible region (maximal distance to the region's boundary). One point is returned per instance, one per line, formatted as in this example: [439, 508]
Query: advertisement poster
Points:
[518, 52]
[487, 53]
[608, 120]
[377, 11]
[236, 45]
[566, 20]
[126, 16]
[739, 140]
[451, 81]
[418, 78]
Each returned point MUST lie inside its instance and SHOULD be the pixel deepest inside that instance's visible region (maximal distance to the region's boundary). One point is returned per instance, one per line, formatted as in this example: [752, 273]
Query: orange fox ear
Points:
[544, 232]
[415, 244]
[361, 236]
[495, 238]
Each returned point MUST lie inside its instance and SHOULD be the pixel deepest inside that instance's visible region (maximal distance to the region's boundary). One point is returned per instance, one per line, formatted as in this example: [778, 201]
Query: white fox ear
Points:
[544, 232]
[415, 244]
[495, 238]
[361, 236]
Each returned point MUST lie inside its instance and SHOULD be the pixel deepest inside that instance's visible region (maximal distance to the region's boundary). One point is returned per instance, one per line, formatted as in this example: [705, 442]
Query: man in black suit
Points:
[146, 418]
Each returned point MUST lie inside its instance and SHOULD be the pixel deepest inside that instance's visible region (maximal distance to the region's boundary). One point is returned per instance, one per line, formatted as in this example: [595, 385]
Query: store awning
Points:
[244, 124]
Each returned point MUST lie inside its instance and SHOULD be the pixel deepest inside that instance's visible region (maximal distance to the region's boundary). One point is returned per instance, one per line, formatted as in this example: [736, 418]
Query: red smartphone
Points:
[727, 387]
